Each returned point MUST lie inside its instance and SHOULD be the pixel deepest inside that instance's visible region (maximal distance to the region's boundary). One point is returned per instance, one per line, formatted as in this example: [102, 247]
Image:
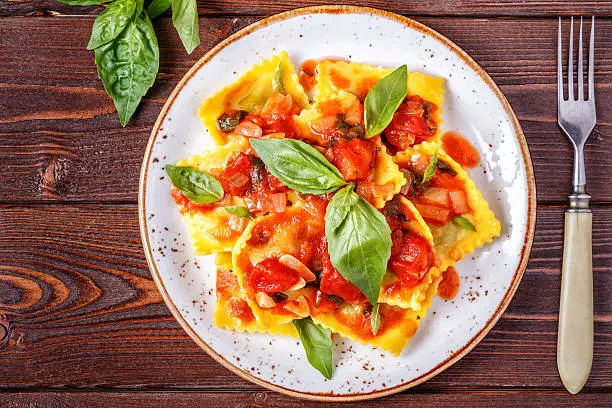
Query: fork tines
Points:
[570, 65]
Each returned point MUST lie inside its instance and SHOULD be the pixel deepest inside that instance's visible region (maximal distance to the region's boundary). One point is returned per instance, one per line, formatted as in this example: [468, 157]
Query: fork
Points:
[576, 117]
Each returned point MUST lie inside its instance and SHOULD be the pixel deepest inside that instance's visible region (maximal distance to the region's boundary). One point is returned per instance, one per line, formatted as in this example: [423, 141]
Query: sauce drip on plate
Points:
[449, 286]
[460, 149]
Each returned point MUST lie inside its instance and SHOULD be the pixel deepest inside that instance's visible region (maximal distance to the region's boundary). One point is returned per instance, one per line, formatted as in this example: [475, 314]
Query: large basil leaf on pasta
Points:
[111, 21]
[185, 20]
[383, 100]
[317, 343]
[359, 241]
[128, 65]
[197, 186]
[298, 165]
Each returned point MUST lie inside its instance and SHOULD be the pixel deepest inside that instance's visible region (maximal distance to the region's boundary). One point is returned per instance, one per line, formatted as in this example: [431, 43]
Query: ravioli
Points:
[251, 91]
[333, 77]
[232, 311]
[453, 242]
[392, 292]
[215, 230]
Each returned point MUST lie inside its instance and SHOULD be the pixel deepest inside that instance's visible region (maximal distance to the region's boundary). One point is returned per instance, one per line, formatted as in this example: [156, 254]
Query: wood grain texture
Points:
[417, 8]
[478, 399]
[84, 312]
[59, 134]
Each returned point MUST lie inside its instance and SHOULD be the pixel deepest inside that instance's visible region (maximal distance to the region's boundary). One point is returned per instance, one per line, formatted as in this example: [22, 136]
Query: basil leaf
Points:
[158, 7]
[239, 211]
[359, 241]
[197, 186]
[298, 165]
[84, 2]
[383, 100]
[375, 319]
[139, 7]
[128, 65]
[185, 20]
[317, 343]
[464, 223]
[111, 21]
[431, 169]
[277, 83]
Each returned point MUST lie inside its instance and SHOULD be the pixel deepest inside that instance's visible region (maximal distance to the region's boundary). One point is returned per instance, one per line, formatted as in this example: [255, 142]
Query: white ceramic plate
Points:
[474, 106]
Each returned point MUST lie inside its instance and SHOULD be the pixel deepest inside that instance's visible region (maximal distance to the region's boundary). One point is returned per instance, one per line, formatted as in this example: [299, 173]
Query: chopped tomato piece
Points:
[354, 158]
[434, 214]
[459, 201]
[235, 178]
[271, 276]
[186, 204]
[411, 123]
[446, 180]
[436, 196]
[412, 260]
[449, 286]
[460, 149]
[248, 129]
[333, 283]
[277, 114]
[241, 309]
[275, 184]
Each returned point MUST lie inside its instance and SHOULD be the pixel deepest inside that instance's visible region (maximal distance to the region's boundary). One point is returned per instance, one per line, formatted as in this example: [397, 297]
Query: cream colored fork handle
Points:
[575, 338]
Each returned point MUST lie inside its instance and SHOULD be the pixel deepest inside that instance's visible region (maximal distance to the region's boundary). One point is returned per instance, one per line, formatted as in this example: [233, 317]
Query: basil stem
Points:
[197, 186]
[464, 223]
[277, 83]
[383, 100]
[359, 241]
[375, 319]
[317, 343]
[298, 165]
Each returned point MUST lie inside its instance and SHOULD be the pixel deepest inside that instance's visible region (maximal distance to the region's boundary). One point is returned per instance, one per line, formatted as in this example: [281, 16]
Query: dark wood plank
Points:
[475, 399]
[84, 311]
[59, 135]
[420, 8]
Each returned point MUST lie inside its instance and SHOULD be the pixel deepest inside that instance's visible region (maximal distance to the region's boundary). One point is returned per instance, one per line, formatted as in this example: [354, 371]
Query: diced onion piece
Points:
[459, 202]
[278, 105]
[406, 188]
[248, 129]
[264, 300]
[323, 124]
[277, 202]
[354, 113]
[254, 205]
[292, 262]
[236, 224]
[297, 285]
[434, 213]
[436, 196]
[299, 306]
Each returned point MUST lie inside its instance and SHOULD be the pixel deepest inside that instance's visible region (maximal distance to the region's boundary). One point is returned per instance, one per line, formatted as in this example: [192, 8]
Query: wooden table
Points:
[87, 326]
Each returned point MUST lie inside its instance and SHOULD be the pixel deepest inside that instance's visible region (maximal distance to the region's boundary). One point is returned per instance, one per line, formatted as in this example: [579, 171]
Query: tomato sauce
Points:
[449, 286]
[241, 309]
[460, 149]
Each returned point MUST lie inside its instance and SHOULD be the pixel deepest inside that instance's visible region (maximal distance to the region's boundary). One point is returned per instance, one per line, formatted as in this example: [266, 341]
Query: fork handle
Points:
[575, 337]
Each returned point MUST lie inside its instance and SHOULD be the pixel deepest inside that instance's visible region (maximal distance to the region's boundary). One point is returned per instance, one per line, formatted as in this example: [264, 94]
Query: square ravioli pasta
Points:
[458, 216]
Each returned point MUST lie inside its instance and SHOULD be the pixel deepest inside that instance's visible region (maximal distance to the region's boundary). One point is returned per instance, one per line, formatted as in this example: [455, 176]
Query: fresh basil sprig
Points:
[197, 186]
[298, 165]
[127, 54]
[111, 22]
[383, 100]
[239, 211]
[317, 343]
[359, 241]
[430, 171]
[185, 20]
[464, 223]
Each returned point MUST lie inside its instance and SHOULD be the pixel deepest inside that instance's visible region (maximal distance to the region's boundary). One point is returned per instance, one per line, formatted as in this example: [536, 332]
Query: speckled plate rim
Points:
[531, 208]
